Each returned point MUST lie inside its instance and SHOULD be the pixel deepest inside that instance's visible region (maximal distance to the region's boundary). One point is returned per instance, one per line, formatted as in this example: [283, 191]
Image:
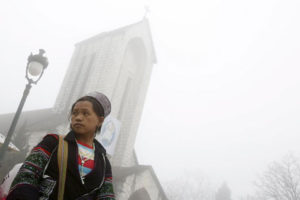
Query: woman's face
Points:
[83, 118]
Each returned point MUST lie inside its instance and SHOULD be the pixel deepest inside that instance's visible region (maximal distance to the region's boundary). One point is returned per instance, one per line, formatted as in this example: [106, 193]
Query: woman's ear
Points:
[101, 119]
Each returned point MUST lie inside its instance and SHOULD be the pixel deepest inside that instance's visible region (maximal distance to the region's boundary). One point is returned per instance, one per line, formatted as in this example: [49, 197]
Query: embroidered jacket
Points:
[30, 185]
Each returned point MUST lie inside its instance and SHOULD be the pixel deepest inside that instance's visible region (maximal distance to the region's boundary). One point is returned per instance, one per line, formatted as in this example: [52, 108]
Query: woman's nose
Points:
[78, 117]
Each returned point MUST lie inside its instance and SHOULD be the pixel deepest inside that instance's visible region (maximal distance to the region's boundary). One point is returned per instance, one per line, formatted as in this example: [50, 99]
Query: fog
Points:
[223, 99]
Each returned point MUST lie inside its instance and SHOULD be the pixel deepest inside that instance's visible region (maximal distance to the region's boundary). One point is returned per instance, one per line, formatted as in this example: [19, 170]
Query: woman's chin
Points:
[78, 130]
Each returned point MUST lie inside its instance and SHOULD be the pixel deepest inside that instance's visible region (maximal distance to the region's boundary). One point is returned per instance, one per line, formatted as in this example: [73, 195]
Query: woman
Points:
[88, 174]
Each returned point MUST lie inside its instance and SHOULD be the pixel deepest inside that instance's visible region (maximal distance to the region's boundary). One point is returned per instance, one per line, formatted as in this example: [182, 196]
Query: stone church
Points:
[117, 63]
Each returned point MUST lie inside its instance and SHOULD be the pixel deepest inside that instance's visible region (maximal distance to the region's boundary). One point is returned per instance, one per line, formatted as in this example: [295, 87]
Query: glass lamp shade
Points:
[35, 68]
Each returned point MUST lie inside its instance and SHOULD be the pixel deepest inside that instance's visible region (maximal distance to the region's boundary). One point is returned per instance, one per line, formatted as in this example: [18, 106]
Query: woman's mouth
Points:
[77, 125]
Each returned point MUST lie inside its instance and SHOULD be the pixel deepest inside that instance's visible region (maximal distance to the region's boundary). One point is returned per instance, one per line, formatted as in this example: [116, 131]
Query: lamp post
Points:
[35, 68]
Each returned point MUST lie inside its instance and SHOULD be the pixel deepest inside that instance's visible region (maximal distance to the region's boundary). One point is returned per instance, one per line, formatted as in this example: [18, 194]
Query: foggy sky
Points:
[224, 95]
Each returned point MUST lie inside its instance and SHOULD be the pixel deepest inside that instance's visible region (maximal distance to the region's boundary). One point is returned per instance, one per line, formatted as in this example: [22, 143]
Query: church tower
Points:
[118, 64]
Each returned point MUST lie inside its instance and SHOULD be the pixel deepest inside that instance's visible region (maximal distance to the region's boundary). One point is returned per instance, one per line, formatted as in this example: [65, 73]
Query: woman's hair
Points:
[98, 109]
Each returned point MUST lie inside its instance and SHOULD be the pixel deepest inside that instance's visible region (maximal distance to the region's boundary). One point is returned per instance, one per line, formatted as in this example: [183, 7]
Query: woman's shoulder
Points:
[52, 136]
[48, 143]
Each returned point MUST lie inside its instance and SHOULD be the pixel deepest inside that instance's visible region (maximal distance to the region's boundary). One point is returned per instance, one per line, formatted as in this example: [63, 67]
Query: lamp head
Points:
[35, 66]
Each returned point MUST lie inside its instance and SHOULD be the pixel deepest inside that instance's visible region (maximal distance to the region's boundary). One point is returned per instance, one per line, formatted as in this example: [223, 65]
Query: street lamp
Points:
[35, 68]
